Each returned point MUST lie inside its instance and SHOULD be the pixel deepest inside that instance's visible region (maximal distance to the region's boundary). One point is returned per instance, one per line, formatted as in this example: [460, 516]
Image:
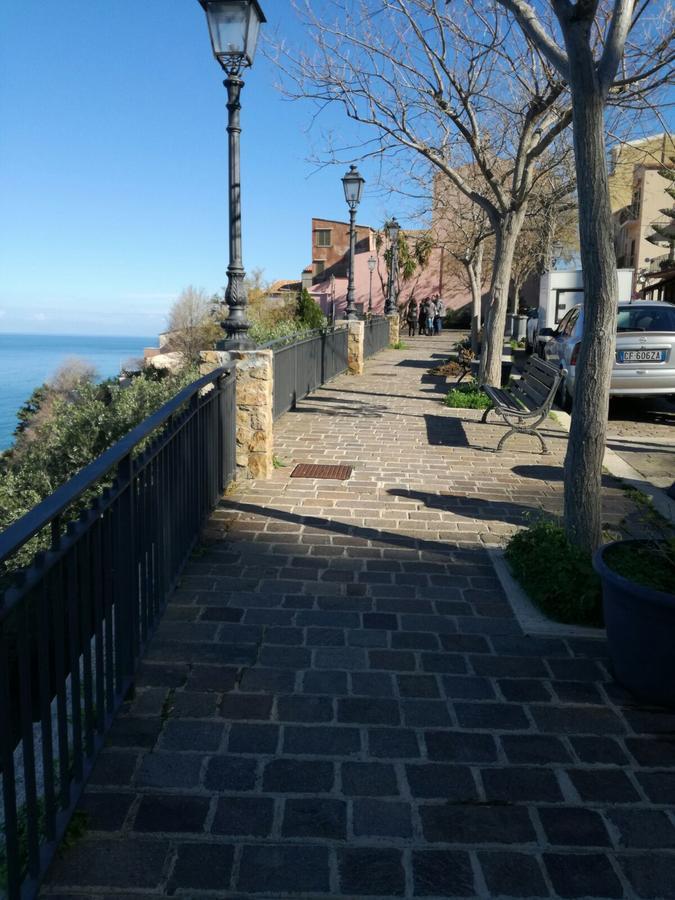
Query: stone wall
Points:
[394, 328]
[255, 433]
[355, 346]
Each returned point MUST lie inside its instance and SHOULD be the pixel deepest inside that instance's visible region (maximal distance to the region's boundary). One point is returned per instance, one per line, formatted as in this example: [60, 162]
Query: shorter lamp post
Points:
[332, 299]
[234, 26]
[393, 229]
[353, 183]
[372, 263]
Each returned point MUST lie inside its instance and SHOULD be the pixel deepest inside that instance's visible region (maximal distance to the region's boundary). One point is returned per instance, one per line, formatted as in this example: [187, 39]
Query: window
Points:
[323, 237]
[319, 266]
[645, 318]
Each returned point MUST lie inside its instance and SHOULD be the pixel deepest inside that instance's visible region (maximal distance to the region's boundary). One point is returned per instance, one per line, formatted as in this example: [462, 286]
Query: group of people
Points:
[427, 318]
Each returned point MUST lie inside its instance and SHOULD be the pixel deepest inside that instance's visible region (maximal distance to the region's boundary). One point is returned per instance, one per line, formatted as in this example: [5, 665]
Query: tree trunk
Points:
[586, 447]
[475, 273]
[506, 235]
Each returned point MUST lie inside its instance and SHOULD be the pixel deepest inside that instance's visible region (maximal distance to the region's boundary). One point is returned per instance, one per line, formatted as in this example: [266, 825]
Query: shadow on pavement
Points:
[445, 431]
[471, 507]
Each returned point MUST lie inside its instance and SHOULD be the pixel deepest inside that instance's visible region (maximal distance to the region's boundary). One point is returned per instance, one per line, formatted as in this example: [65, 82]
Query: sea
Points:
[28, 360]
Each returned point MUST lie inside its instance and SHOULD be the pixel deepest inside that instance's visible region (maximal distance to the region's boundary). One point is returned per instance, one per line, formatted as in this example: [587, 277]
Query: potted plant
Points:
[638, 589]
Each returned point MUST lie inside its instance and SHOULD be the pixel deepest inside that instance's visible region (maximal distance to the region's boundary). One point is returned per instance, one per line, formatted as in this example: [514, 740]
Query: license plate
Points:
[641, 355]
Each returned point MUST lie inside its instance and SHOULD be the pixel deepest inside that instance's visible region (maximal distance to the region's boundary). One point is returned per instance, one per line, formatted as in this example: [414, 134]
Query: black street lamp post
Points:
[234, 26]
[393, 229]
[372, 262]
[353, 184]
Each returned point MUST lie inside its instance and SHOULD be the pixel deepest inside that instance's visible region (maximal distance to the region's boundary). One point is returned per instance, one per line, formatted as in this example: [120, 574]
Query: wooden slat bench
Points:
[529, 397]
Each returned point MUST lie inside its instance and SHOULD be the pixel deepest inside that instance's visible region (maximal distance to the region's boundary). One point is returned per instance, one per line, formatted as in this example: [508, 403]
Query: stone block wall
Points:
[394, 328]
[355, 347]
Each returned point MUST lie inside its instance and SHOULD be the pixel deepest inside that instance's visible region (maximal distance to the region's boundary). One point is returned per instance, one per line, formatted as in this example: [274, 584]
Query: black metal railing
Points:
[304, 365]
[74, 623]
[376, 336]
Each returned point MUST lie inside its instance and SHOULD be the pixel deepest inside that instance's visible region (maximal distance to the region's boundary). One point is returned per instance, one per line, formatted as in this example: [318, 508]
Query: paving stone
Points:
[212, 678]
[138, 865]
[651, 875]
[372, 684]
[321, 740]
[414, 640]
[652, 752]
[467, 687]
[250, 816]
[603, 785]
[283, 867]
[392, 660]
[508, 666]
[316, 818]
[512, 874]
[537, 749]
[368, 779]
[192, 735]
[425, 713]
[367, 711]
[298, 776]
[202, 867]
[342, 658]
[105, 812]
[334, 683]
[230, 773]
[574, 826]
[493, 716]
[519, 783]
[465, 643]
[658, 786]
[417, 686]
[576, 669]
[361, 637]
[221, 614]
[253, 738]
[577, 720]
[588, 875]
[372, 872]
[170, 770]
[114, 768]
[135, 731]
[524, 690]
[600, 750]
[442, 782]
[246, 706]
[577, 692]
[450, 663]
[171, 813]
[286, 657]
[461, 746]
[393, 743]
[643, 829]
[442, 873]
[325, 637]
[452, 824]
[193, 705]
[304, 709]
[382, 818]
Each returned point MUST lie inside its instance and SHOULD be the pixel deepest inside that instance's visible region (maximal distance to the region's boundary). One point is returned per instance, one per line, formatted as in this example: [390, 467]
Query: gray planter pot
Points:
[640, 624]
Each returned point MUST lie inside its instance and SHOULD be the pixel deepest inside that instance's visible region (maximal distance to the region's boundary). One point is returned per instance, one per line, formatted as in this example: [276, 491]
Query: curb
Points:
[531, 619]
[619, 468]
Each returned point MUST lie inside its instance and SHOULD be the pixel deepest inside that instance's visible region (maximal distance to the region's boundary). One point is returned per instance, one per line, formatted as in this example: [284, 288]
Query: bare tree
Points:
[456, 84]
[462, 228]
[192, 324]
[617, 52]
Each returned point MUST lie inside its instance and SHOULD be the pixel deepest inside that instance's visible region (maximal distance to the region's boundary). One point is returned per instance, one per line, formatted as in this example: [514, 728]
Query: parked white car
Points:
[644, 364]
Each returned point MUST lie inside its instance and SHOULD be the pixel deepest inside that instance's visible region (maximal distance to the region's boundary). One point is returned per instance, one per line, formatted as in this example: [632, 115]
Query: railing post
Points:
[355, 347]
[126, 623]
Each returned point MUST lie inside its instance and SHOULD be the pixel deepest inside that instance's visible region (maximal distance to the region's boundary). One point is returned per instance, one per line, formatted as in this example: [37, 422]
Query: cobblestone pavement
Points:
[340, 703]
[642, 432]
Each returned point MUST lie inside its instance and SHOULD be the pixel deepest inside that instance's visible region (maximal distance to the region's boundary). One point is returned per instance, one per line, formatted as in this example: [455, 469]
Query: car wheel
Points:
[563, 396]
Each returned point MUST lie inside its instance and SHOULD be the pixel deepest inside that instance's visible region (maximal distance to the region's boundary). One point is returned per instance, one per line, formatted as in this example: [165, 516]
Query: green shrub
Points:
[467, 396]
[557, 576]
[308, 312]
[399, 345]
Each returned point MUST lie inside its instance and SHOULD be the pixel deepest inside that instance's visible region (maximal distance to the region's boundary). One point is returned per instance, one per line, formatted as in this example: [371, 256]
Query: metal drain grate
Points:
[306, 470]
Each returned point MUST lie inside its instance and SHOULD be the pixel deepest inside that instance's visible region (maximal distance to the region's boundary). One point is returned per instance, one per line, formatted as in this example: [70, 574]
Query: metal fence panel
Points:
[376, 336]
[305, 365]
[73, 625]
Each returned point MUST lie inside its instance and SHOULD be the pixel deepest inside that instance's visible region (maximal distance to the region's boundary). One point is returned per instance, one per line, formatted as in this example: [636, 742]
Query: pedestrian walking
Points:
[422, 318]
[439, 309]
[430, 316]
[411, 317]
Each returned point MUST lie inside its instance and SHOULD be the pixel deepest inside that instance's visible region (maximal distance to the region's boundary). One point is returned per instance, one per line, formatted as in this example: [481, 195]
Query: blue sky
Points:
[113, 164]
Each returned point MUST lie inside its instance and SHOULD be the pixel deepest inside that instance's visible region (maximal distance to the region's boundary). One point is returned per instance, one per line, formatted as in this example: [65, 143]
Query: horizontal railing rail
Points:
[74, 623]
[376, 336]
[304, 365]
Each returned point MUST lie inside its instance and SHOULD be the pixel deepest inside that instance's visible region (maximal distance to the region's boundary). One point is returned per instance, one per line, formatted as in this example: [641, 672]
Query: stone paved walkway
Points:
[340, 703]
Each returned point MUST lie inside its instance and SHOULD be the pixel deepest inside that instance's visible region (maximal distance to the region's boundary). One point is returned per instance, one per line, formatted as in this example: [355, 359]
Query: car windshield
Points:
[646, 318]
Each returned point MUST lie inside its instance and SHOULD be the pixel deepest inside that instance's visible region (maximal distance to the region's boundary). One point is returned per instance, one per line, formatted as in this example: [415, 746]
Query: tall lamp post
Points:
[234, 26]
[353, 183]
[393, 229]
[372, 263]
